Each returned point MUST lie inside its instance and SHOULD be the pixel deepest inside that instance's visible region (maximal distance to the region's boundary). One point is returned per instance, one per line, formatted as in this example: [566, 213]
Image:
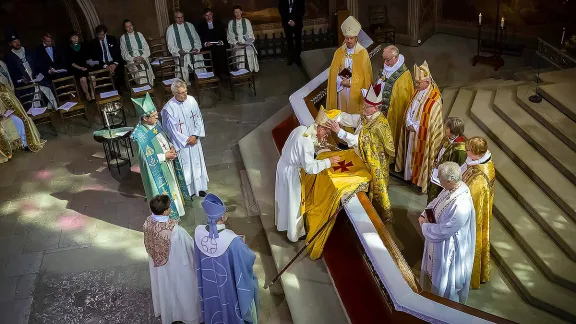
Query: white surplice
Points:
[344, 92]
[297, 153]
[187, 45]
[175, 284]
[450, 244]
[234, 40]
[129, 56]
[413, 119]
[182, 120]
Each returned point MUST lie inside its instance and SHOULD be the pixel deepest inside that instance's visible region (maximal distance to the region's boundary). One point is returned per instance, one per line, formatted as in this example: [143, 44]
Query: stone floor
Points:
[71, 247]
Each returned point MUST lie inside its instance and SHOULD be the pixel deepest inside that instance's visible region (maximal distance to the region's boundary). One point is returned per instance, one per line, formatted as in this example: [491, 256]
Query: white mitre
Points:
[422, 72]
[351, 27]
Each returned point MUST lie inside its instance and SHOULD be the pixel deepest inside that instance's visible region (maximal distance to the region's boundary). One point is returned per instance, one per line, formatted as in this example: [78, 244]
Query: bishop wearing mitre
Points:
[350, 71]
[298, 154]
[421, 136]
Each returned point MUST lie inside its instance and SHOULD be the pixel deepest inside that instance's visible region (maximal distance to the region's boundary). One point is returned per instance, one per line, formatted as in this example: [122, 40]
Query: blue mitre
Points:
[214, 208]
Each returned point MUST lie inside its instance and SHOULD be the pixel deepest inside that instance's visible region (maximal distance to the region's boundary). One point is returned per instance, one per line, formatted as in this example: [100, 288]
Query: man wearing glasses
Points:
[183, 42]
[423, 132]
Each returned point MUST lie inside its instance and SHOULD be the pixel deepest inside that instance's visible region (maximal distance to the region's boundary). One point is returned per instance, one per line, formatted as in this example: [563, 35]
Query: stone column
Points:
[353, 7]
[90, 14]
[413, 18]
[73, 17]
[162, 16]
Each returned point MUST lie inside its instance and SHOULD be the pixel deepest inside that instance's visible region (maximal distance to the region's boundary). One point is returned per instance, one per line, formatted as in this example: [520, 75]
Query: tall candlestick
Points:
[480, 19]
[563, 32]
[502, 23]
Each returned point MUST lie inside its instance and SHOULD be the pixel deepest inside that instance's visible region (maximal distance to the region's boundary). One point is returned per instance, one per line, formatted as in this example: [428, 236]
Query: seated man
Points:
[104, 49]
[214, 39]
[183, 42]
[372, 141]
[134, 49]
[298, 153]
[50, 59]
[22, 68]
[228, 286]
[172, 265]
[449, 229]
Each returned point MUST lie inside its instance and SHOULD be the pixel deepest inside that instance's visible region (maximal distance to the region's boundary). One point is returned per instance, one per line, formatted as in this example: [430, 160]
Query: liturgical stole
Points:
[244, 29]
[388, 85]
[177, 34]
[138, 42]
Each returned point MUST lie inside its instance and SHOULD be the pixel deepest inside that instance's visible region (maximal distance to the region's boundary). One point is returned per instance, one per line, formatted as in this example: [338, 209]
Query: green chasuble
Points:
[454, 152]
[157, 177]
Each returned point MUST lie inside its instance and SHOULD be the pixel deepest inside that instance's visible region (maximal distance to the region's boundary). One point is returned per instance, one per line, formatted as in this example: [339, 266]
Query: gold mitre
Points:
[325, 115]
[351, 27]
[422, 72]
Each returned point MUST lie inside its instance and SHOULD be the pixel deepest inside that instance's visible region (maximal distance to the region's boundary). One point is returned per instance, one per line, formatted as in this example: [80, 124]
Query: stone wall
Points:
[142, 13]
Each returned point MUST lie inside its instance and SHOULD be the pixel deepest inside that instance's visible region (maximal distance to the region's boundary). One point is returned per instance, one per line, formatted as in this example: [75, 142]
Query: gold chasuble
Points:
[361, 79]
[480, 179]
[398, 89]
[454, 151]
[322, 193]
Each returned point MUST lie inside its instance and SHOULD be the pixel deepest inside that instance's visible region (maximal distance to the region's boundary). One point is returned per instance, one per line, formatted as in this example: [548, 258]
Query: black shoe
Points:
[27, 149]
[192, 197]
[202, 193]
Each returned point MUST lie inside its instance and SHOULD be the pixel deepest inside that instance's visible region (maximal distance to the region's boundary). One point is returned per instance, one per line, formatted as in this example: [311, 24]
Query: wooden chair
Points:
[136, 77]
[238, 69]
[158, 50]
[101, 81]
[30, 96]
[202, 81]
[66, 90]
[379, 26]
[168, 71]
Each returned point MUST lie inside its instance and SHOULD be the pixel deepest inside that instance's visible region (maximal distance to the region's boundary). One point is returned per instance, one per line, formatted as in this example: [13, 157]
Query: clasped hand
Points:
[192, 140]
[422, 220]
[171, 155]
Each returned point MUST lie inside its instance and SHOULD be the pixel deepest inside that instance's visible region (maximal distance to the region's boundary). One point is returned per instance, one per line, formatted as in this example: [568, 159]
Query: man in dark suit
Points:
[105, 49]
[212, 31]
[50, 59]
[292, 12]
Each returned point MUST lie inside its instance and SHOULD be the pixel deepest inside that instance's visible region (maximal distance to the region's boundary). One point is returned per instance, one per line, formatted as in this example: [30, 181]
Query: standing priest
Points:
[135, 50]
[449, 229]
[423, 132]
[350, 71]
[214, 39]
[159, 166]
[182, 40]
[298, 154]
[228, 286]
[182, 119]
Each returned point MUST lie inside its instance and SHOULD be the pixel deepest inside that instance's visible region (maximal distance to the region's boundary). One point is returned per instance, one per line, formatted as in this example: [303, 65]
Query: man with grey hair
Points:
[449, 228]
[397, 89]
[182, 120]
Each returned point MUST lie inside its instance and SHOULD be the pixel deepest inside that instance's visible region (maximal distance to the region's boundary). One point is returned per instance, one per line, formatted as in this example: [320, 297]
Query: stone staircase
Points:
[533, 232]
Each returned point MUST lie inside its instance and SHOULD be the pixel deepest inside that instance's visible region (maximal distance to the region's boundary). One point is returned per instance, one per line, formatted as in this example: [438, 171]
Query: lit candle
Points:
[480, 19]
[106, 119]
[563, 32]
[502, 23]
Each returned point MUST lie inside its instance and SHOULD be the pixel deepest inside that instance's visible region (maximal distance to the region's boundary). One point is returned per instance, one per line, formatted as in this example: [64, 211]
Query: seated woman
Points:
[77, 55]
[239, 33]
[17, 130]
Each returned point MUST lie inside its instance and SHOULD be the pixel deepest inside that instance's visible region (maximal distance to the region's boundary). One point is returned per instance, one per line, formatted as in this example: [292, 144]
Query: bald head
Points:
[390, 55]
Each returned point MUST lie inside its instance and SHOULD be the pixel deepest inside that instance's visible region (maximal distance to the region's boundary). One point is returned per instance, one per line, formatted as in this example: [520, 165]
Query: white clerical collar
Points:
[350, 50]
[481, 160]
[373, 116]
[132, 33]
[220, 226]
[160, 218]
[388, 70]
[210, 24]
[20, 52]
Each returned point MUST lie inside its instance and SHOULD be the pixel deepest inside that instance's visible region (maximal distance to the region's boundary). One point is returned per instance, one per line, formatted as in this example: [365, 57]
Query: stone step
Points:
[553, 119]
[530, 74]
[493, 85]
[550, 146]
[545, 253]
[559, 76]
[503, 74]
[530, 281]
[562, 96]
[448, 97]
[558, 187]
[543, 209]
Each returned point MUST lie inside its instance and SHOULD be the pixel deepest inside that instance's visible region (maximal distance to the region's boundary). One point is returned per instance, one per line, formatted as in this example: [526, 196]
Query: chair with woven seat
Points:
[101, 81]
[168, 72]
[204, 77]
[66, 90]
[238, 69]
[136, 77]
[30, 96]
[157, 50]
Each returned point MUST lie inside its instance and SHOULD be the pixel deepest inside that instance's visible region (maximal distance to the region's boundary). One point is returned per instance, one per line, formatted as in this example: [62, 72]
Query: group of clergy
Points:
[398, 120]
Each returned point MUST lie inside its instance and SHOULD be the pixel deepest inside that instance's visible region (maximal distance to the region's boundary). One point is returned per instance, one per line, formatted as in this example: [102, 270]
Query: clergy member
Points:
[213, 37]
[134, 49]
[372, 141]
[398, 89]
[22, 69]
[421, 136]
[479, 174]
[350, 71]
[17, 130]
[182, 120]
[172, 265]
[298, 154]
[182, 40]
[449, 229]
[452, 149]
[159, 166]
[240, 34]
[228, 285]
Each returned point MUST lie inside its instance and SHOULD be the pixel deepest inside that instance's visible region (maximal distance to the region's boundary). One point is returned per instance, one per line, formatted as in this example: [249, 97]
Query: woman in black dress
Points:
[78, 54]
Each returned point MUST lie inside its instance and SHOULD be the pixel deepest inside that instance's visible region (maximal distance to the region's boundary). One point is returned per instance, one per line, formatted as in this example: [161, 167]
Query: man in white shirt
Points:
[106, 51]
